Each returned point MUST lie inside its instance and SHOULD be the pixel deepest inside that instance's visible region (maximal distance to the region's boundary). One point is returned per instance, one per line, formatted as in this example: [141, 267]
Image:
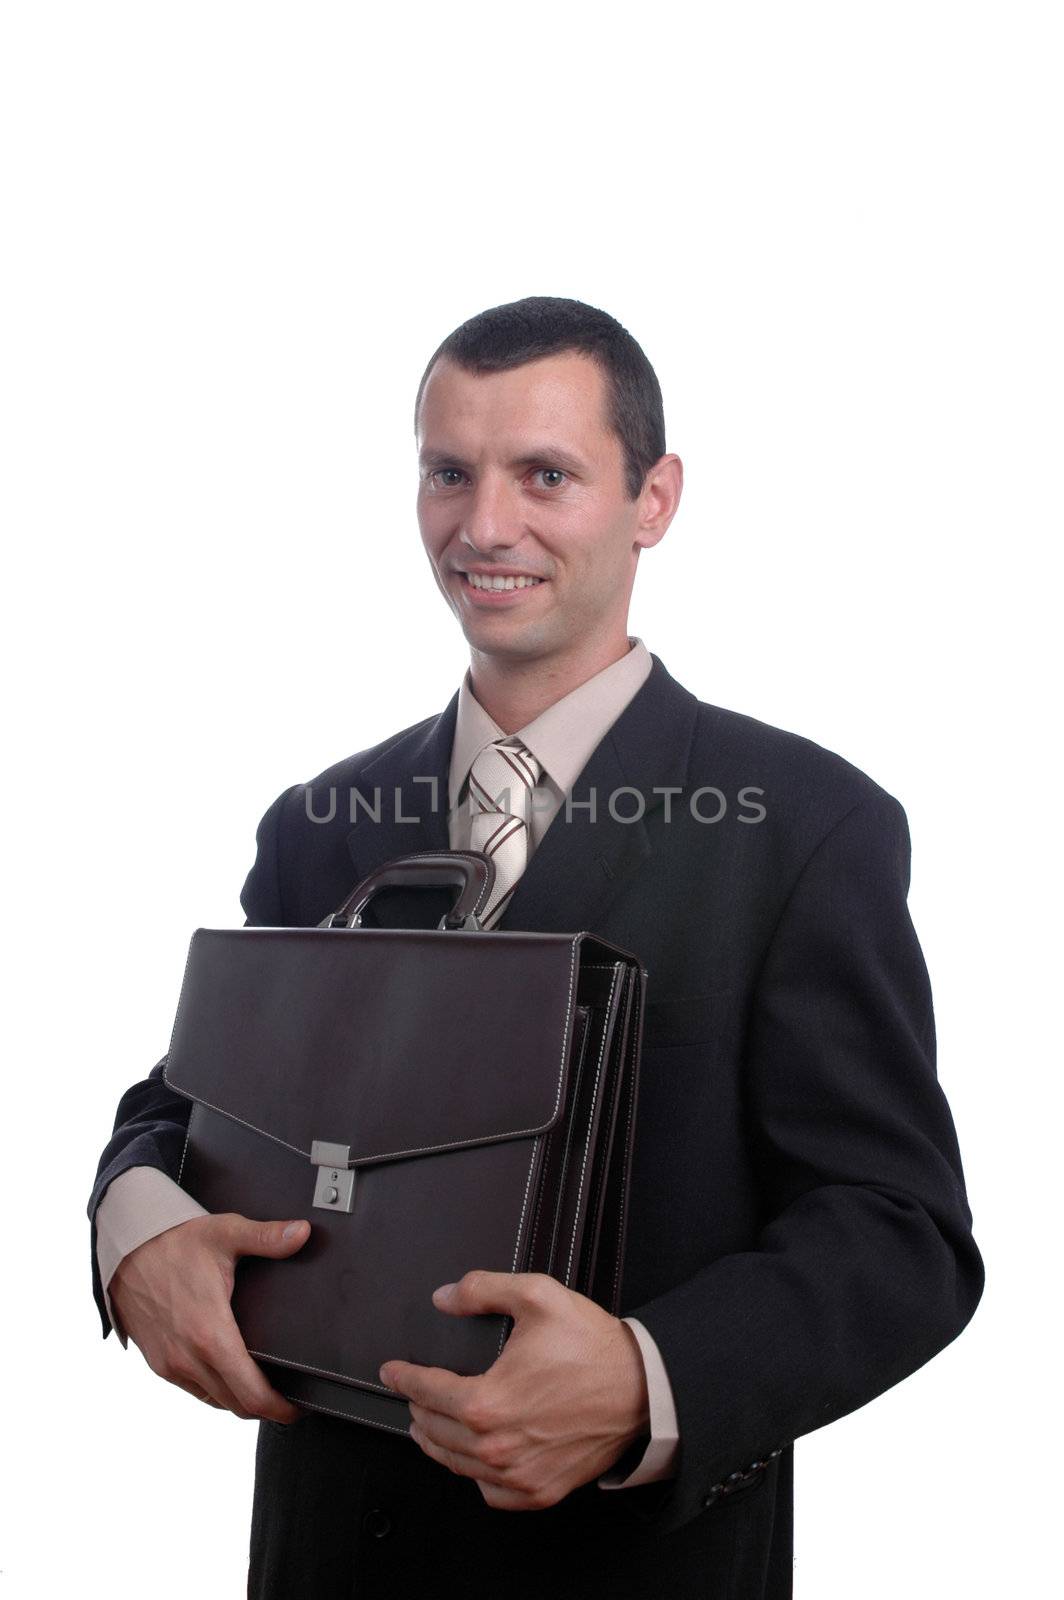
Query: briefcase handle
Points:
[471, 872]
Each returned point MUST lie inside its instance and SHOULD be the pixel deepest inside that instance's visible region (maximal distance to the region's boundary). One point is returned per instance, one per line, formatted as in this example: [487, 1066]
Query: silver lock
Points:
[334, 1188]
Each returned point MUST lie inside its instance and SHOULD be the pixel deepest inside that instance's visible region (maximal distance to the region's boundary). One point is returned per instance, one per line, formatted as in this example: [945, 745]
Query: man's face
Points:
[520, 474]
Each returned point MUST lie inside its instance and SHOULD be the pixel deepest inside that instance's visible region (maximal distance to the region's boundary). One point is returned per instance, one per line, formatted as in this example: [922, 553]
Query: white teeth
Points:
[479, 582]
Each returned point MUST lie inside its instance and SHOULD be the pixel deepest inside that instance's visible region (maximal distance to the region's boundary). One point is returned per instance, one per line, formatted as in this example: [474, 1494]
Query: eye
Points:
[555, 474]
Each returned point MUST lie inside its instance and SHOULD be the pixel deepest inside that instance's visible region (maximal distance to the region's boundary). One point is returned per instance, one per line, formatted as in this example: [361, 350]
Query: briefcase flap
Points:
[394, 1042]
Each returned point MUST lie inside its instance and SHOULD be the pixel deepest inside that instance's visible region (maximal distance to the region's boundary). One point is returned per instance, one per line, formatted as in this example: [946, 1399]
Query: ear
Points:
[659, 500]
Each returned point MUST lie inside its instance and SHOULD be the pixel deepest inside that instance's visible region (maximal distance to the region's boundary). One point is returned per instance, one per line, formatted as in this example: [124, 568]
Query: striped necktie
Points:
[501, 781]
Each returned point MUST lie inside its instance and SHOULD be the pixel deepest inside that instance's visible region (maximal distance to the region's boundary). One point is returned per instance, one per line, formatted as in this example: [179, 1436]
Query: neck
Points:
[515, 692]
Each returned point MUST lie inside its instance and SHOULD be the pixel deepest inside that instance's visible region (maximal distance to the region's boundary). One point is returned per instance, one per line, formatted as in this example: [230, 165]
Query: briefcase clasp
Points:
[334, 1189]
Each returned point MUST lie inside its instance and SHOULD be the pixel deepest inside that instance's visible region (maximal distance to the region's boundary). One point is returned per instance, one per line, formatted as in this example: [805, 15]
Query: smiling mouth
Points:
[497, 585]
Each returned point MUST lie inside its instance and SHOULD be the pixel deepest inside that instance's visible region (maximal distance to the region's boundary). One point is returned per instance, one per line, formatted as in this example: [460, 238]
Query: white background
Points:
[234, 235]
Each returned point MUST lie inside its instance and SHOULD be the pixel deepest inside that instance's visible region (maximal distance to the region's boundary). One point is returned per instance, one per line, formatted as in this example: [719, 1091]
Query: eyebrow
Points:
[544, 454]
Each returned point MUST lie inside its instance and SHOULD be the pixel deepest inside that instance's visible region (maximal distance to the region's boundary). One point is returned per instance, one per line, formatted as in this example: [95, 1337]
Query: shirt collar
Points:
[563, 737]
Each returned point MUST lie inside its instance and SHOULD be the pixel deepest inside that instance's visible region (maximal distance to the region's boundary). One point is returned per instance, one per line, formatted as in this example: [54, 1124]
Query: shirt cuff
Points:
[660, 1457]
[140, 1203]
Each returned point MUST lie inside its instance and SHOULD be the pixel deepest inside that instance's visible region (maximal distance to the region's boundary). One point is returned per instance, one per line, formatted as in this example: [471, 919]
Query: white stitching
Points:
[622, 1221]
[325, 1372]
[299, 1401]
[605, 1173]
[594, 1097]
[565, 1161]
[536, 1220]
[184, 1152]
[536, 1146]
[368, 1382]
[232, 1116]
[542, 1187]
[415, 1150]
[595, 1207]
[322, 1372]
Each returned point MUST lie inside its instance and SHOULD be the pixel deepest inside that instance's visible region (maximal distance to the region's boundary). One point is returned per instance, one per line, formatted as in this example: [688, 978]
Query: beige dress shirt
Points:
[143, 1201]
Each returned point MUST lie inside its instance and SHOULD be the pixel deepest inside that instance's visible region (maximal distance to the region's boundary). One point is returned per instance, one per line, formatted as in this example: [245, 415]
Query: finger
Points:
[218, 1362]
[207, 1362]
[447, 1433]
[246, 1236]
[455, 1461]
[488, 1451]
[500, 1498]
[224, 1396]
[512, 1293]
[198, 1393]
[195, 1375]
[245, 1379]
[490, 1481]
[433, 1387]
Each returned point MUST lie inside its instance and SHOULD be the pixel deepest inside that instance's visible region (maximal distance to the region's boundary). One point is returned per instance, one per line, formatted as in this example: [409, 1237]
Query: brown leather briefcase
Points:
[431, 1100]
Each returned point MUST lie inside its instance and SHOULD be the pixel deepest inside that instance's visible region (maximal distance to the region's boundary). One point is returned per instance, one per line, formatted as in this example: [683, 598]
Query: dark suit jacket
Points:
[799, 1234]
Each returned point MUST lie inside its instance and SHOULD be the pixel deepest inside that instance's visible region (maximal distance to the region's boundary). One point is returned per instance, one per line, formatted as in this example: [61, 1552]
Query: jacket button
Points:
[377, 1522]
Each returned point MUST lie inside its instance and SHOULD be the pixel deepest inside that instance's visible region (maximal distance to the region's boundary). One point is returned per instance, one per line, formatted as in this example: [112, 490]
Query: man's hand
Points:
[172, 1297]
[565, 1399]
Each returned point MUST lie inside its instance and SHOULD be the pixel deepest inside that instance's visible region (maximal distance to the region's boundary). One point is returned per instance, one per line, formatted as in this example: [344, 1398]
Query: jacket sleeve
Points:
[865, 1265]
[151, 1121]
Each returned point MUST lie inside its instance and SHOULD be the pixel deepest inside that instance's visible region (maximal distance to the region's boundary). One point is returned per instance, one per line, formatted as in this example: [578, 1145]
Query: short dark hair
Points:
[545, 325]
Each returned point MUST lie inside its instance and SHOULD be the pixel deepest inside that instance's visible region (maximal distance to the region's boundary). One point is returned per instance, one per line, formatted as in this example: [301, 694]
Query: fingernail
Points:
[444, 1291]
[293, 1227]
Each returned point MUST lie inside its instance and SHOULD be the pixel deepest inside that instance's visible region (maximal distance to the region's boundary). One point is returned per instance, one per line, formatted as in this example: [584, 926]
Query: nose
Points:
[491, 521]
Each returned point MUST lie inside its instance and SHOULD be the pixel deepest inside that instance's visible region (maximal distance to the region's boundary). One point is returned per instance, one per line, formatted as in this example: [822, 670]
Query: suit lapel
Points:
[584, 859]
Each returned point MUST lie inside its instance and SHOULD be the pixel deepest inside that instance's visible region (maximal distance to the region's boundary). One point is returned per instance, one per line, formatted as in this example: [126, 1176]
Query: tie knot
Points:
[501, 781]
[503, 776]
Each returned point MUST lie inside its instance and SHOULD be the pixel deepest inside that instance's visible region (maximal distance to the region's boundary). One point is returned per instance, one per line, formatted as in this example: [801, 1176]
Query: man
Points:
[799, 1237]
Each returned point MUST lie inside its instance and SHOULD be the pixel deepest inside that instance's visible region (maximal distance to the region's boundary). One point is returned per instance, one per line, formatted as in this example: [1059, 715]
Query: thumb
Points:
[277, 1239]
[479, 1291]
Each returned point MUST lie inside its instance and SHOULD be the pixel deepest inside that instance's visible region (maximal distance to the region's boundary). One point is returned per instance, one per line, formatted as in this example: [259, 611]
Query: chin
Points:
[523, 644]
